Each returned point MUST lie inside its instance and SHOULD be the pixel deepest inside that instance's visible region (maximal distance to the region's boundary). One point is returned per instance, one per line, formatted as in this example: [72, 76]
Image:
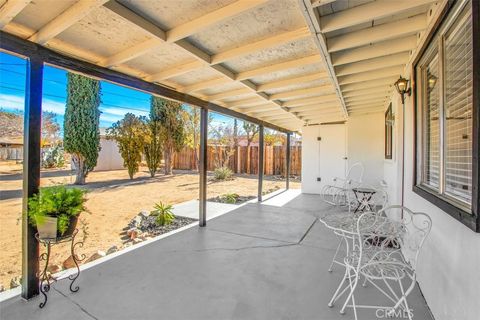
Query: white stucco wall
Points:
[366, 145]
[109, 157]
[448, 264]
[364, 135]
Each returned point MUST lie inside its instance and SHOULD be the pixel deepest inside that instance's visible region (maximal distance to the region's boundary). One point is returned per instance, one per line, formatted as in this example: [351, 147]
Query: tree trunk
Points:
[78, 162]
[168, 161]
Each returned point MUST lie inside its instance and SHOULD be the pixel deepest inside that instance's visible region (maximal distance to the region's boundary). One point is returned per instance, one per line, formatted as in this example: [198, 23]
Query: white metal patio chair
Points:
[385, 253]
[339, 192]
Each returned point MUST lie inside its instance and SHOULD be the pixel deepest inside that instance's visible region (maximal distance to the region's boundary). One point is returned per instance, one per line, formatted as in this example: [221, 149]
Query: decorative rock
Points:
[137, 240]
[2, 288]
[133, 234]
[69, 263]
[112, 249]
[144, 213]
[54, 268]
[138, 220]
[15, 282]
[97, 255]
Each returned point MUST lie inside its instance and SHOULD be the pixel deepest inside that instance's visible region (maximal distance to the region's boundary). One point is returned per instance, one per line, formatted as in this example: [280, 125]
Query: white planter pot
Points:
[48, 228]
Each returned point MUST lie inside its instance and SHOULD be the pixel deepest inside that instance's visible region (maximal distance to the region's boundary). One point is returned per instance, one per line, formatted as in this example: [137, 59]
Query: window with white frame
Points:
[444, 77]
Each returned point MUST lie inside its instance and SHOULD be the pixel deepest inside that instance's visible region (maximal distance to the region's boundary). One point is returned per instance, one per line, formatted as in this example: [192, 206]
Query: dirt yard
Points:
[113, 200]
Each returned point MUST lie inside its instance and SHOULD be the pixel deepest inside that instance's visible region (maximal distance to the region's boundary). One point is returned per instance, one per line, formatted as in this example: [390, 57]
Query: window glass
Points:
[431, 125]
[458, 111]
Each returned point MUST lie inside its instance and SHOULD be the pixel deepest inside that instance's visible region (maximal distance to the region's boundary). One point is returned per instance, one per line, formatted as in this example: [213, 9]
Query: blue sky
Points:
[116, 100]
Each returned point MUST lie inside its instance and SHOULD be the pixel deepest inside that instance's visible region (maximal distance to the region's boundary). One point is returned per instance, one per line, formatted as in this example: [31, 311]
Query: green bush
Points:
[231, 198]
[222, 173]
[56, 202]
[164, 214]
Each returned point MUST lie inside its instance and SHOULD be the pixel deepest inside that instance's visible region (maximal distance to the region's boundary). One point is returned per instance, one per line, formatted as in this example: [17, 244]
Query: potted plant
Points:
[55, 210]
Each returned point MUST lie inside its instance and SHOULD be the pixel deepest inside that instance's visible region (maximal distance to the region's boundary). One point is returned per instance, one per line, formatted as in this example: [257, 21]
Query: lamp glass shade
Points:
[401, 85]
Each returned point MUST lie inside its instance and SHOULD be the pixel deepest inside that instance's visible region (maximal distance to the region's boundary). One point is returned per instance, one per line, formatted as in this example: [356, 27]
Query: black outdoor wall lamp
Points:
[402, 88]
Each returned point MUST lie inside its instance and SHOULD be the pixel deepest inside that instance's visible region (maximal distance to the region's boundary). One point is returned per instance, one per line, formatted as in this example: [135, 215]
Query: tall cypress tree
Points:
[81, 124]
[170, 115]
[153, 141]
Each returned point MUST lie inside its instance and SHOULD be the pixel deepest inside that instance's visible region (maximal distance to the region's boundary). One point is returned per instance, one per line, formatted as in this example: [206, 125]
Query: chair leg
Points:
[330, 269]
[353, 285]
[336, 294]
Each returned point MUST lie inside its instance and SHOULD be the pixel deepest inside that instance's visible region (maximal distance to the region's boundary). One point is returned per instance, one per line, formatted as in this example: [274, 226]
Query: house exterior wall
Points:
[364, 143]
[448, 263]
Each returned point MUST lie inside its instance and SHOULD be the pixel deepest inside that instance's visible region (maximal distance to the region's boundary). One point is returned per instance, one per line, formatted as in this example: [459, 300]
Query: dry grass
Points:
[113, 200]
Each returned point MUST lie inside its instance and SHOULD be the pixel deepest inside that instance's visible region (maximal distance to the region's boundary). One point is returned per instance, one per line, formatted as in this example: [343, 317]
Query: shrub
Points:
[229, 198]
[164, 214]
[53, 157]
[222, 173]
[57, 202]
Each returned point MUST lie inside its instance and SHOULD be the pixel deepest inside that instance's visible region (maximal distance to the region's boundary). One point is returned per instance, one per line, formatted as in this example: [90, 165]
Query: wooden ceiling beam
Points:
[374, 50]
[211, 18]
[10, 9]
[369, 84]
[385, 89]
[231, 93]
[314, 91]
[204, 84]
[379, 33]
[295, 63]
[367, 12]
[305, 101]
[376, 74]
[398, 59]
[175, 71]
[260, 45]
[67, 18]
[318, 3]
[292, 81]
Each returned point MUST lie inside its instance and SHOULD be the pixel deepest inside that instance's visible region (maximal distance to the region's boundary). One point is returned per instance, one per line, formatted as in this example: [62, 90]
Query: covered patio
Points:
[261, 261]
[390, 85]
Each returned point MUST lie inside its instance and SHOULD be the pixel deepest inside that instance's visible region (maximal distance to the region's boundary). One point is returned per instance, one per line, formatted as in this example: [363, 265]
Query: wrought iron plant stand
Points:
[46, 278]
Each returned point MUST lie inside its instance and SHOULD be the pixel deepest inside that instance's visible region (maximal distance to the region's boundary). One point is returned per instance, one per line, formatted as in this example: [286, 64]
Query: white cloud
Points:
[10, 101]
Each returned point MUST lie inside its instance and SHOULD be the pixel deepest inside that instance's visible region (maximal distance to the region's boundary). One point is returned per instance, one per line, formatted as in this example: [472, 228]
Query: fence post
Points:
[287, 156]
[31, 173]
[260, 162]
[202, 220]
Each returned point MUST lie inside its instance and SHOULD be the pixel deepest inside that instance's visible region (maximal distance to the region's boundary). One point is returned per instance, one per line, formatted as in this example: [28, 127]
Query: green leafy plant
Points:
[172, 130]
[130, 133]
[222, 173]
[56, 202]
[164, 213]
[229, 198]
[81, 124]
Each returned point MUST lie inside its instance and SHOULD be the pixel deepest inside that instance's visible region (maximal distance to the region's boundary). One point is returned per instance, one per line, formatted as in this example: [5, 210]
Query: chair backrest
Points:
[355, 173]
[403, 229]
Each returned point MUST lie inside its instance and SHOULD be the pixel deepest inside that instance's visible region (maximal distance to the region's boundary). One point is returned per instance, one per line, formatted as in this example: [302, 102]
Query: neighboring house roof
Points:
[11, 140]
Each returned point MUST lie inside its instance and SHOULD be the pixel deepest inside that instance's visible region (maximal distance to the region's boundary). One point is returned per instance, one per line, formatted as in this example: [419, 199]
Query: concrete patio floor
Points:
[259, 261]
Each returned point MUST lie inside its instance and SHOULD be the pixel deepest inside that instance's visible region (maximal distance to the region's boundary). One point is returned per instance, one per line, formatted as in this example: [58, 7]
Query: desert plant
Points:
[56, 202]
[130, 134]
[231, 198]
[81, 124]
[222, 173]
[164, 213]
[170, 115]
[53, 157]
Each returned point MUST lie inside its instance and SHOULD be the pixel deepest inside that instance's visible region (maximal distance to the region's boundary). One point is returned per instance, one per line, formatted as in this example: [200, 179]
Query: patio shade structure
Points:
[279, 64]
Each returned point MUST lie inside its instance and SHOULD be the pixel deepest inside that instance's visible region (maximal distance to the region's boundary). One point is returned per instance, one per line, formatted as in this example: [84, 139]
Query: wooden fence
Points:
[243, 159]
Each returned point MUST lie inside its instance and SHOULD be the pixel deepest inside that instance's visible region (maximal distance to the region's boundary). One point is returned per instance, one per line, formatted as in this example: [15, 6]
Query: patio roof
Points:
[260, 58]
[260, 261]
